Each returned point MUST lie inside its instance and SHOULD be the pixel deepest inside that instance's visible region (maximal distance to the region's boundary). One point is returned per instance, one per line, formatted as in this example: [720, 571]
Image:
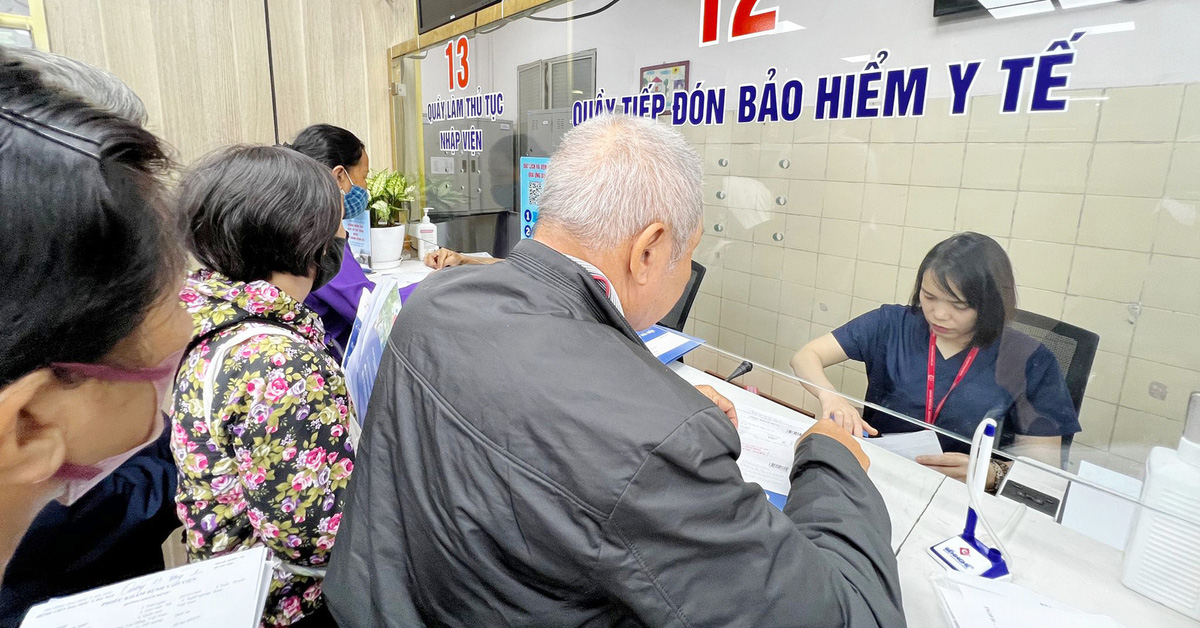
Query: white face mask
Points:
[79, 479]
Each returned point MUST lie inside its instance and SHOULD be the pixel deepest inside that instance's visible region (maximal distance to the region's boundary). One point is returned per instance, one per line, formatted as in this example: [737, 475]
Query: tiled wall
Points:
[810, 223]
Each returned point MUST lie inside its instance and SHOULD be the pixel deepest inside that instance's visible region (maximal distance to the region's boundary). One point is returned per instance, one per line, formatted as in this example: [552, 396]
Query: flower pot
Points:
[387, 246]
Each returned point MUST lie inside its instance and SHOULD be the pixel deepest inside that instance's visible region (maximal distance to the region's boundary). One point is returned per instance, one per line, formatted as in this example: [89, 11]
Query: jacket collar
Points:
[571, 278]
[213, 299]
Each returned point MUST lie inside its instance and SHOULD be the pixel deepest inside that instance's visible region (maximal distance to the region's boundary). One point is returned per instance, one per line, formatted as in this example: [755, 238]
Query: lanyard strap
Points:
[931, 413]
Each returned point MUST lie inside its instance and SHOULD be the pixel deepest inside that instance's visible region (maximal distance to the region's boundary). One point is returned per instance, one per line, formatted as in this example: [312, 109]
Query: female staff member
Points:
[261, 415]
[954, 333]
[346, 157]
[92, 331]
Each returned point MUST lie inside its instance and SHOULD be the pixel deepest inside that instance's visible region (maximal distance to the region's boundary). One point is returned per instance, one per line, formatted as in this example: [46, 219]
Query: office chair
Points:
[679, 313]
[1075, 350]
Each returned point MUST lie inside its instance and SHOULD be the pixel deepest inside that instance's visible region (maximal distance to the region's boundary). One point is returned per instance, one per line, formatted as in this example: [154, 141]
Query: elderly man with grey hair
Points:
[99, 87]
[526, 461]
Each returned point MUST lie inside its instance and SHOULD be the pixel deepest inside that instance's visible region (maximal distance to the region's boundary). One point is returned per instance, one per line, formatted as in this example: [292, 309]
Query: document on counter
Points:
[666, 344]
[910, 444]
[228, 591]
[1100, 515]
[768, 450]
[973, 602]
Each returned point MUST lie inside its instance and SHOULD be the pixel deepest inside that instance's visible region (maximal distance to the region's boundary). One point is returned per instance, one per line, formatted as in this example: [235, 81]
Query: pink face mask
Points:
[79, 479]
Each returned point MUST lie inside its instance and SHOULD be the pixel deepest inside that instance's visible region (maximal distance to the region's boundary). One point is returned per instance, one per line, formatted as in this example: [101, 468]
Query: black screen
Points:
[949, 7]
[434, 13]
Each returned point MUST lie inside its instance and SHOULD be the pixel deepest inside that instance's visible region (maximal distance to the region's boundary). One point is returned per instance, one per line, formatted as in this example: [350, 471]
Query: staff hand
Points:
[443, 258]
[723, 404]
[838, 409]
[952, 465]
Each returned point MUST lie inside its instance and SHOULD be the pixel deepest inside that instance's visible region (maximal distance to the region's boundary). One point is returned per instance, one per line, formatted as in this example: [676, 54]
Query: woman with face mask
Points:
[346, 157]
[261, 415]
[91, 330]
[949, 358]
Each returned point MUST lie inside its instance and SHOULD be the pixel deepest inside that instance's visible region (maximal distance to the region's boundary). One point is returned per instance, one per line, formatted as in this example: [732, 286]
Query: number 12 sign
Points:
[744, 22]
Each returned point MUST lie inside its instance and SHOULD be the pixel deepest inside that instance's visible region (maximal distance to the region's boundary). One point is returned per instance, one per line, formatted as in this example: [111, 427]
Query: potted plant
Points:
[391, 195]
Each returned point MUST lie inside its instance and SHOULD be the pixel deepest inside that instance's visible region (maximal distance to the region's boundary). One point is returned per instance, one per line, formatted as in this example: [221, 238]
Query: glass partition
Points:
[848, 145]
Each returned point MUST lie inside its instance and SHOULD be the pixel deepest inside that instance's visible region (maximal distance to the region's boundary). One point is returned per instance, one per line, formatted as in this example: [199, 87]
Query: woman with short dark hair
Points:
[89, 266]
[953, 331]
[261, 413]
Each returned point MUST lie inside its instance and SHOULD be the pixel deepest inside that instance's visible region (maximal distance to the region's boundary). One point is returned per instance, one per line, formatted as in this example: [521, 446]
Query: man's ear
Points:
[32, 447]
[651, 247]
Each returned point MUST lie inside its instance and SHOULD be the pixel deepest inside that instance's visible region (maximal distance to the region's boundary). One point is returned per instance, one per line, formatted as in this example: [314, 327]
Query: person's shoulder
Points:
[898, 315]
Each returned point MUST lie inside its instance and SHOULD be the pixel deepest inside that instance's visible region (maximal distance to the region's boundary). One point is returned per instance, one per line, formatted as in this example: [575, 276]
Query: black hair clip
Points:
[41, 129]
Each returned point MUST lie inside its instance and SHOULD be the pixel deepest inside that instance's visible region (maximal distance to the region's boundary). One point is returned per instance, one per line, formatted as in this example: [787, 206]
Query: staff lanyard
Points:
[931, 413]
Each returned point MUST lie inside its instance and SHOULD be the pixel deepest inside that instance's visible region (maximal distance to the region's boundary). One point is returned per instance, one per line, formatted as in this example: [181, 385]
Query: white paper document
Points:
[228, 592]
[910, 444]
[973, 602]
[768, 448]
[1100, 515]
[666, 342]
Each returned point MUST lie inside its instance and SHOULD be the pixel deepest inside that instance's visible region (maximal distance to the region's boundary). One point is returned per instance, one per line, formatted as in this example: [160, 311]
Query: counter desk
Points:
[927, 507]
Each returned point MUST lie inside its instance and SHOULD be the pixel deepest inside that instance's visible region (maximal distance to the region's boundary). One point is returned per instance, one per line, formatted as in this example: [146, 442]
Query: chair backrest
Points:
[1073, 347]
[679, 313]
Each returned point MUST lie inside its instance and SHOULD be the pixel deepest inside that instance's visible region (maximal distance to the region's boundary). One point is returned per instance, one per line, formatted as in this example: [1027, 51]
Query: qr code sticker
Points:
[534, 193]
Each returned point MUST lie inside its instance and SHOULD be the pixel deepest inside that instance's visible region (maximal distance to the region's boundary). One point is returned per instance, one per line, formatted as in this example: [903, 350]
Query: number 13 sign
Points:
[743, 22]
[459, 48]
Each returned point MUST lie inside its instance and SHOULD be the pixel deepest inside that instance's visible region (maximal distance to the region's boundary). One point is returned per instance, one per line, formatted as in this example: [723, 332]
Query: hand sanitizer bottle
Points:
[1162, 559]
[427, 236]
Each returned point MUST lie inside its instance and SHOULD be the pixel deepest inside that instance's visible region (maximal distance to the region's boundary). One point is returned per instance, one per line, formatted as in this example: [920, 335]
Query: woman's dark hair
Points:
[974, 269]
[250, 211]
[86, 243]
[330, 145]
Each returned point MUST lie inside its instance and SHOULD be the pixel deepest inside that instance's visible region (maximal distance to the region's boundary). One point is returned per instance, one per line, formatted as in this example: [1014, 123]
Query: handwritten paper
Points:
[228, 591]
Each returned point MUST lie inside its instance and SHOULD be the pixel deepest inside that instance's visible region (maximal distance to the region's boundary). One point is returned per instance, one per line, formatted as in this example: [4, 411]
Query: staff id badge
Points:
[533, 174]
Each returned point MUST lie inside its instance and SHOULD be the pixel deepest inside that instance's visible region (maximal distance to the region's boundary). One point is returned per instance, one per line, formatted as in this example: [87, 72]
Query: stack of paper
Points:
[1100, 515]
[768, 450]
[228, 591]
[910, 444]
[973, 602]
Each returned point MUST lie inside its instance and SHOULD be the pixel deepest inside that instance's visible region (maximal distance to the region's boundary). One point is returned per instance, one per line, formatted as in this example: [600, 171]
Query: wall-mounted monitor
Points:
[950, 7]
[434, 13]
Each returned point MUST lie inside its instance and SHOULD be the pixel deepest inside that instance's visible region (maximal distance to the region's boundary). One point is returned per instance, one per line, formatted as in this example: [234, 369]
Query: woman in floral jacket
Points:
[261, 415]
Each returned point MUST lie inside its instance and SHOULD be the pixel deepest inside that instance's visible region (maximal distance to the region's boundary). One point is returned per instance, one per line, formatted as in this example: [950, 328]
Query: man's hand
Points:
[443, 258]
[723, 404]
[831, 429]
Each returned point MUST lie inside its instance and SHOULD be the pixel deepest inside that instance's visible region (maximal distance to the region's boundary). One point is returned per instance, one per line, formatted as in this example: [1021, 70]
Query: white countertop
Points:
[926, 508]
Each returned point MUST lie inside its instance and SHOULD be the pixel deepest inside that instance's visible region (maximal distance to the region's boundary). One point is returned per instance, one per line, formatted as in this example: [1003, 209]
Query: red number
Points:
[450, 63]
[710, 17]
[463, 76]
[746, 22]
[464, 69]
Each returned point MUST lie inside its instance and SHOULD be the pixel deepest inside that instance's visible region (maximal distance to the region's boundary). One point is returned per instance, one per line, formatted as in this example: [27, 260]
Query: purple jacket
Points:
[337, 302]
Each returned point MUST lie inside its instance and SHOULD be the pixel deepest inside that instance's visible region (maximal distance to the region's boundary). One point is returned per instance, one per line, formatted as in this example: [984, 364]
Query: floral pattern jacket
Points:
[271, 465]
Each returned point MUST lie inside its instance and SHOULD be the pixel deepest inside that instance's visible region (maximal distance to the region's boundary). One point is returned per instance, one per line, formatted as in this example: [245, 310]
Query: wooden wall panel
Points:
[201, 66]
[331, 65]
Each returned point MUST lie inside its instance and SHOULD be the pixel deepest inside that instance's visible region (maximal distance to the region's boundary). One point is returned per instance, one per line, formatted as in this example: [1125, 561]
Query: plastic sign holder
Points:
[966, 553]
